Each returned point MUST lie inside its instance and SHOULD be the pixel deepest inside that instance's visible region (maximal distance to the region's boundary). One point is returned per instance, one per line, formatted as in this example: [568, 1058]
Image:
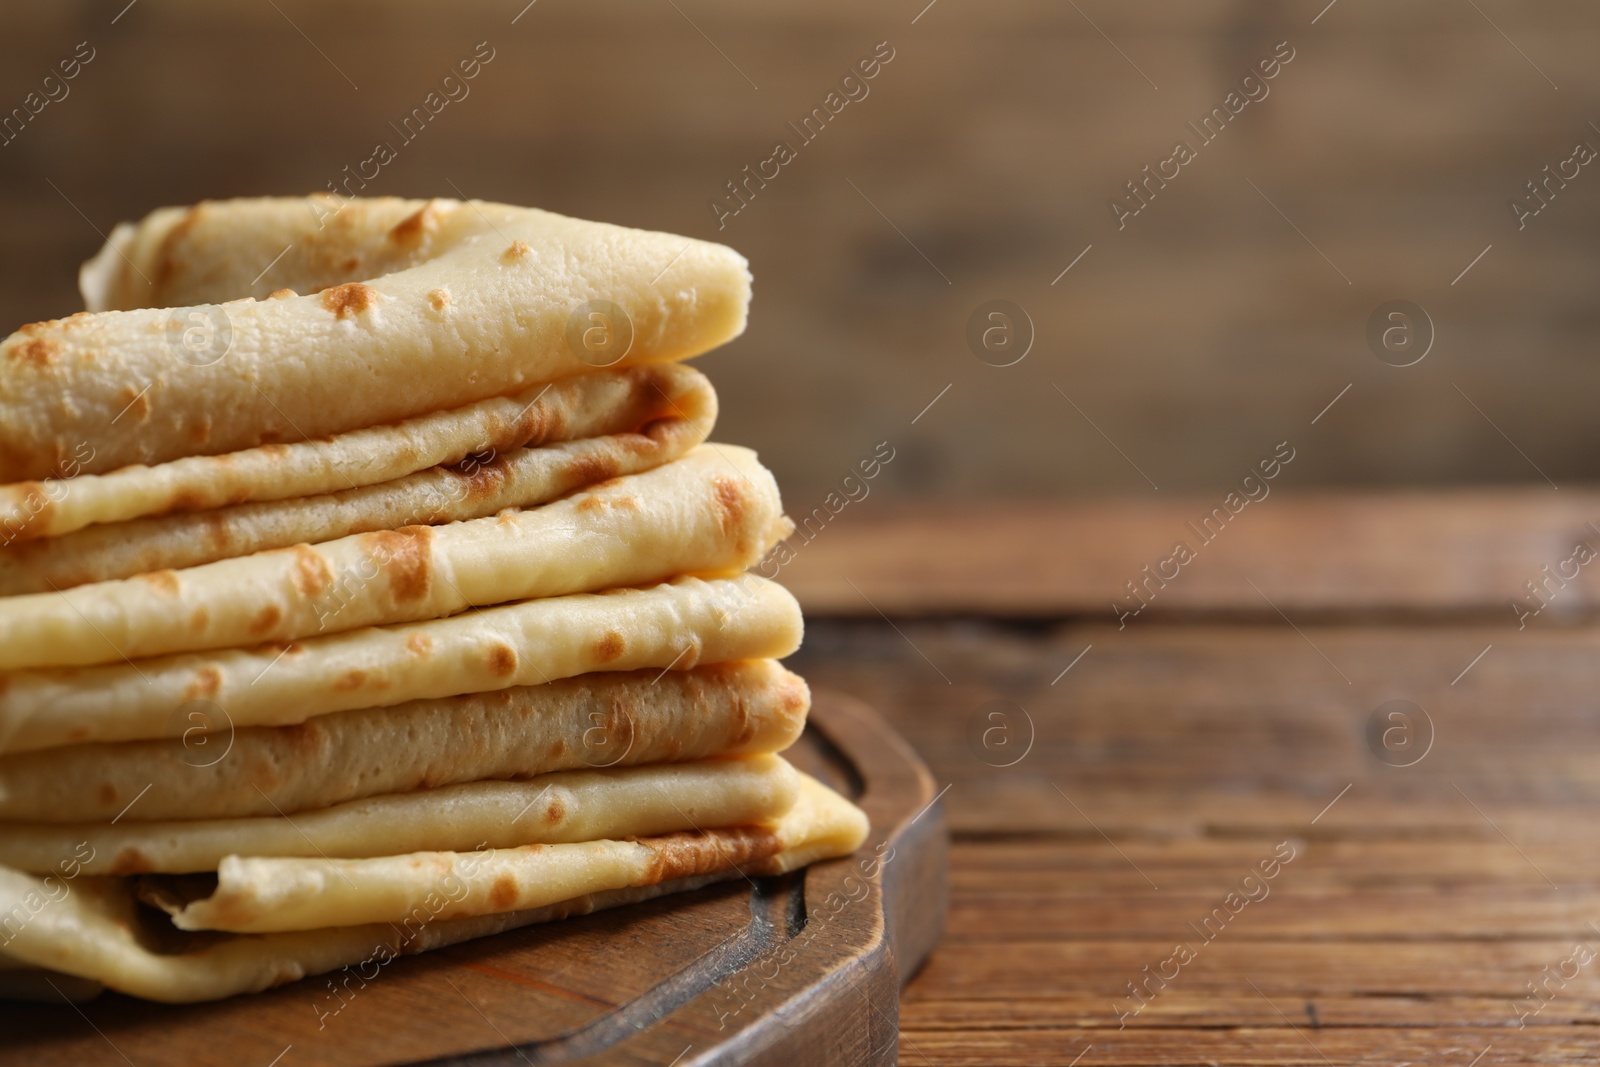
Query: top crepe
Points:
[483, 299]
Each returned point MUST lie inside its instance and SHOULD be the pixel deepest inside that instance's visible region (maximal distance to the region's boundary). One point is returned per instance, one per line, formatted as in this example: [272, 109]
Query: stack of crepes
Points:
[374, 588]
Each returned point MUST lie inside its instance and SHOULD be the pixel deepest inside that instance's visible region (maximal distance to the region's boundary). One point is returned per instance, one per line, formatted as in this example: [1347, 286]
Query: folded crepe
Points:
[673, 625]
[268, 895]
[427, 578]
[423, 306]
[93, 928]
[617, 719]
[564, 807]
[538, 444]
[715, 511]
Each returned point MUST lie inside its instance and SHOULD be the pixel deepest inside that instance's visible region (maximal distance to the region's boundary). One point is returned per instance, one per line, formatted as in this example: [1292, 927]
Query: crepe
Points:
[598, 720]
[675, 624]
[563, 807]
[523, 477]
[670, 407]
[491, 299]
[101, 929]
[715, 511]
[94, 931]
[266, 895]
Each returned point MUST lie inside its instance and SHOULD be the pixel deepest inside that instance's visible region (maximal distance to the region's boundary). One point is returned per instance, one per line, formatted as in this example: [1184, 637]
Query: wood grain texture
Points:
[1422, 552]
[1182, 750]
[1196, 338]
[747, 972]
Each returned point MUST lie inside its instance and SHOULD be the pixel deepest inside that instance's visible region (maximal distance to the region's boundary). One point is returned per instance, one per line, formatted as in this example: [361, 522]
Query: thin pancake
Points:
[674, 625]
[500, 298]
[621, 719]
[714, 511]
[564, 807]
[96, 932]
[668, 405]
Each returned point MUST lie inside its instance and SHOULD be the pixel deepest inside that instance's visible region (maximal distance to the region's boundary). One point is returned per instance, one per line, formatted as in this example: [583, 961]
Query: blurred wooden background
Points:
[1195, 340]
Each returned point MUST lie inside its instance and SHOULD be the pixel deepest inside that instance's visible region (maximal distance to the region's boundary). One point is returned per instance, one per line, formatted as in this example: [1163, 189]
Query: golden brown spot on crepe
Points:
[552, 425]
[40, 351]
[684, 855]
[619, 724]
[591, 503]
[200, 432]
[644, 442]
[419, 644]
[216, 531]
[558, 748]
[351, 298]
[589, 469]
[39, 506]
[265, 620]
[200, 619]
[207, 681]
[439, 299]
[281, 294]
[163, 581]
[498, 433]
[131, 860]
[681, 855]
[106, 794]
[349, 680]
[730, 504]
[503, 894]
[403, 555]
[409, 230]
[312, 575]
[518, 250]
[168, 265]
[502, 659]
[79, 733]
[610, 647]
[555, 812]
[303, 737]
[136, 402]
[350, 264]
[487, 479]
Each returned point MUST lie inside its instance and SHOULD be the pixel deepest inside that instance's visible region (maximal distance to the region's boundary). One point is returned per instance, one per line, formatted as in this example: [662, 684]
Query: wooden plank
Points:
[1250, 1046]
[1164, 732]
[1184, 1009]
[993, 911]
[1038, 863]
[1296, 970]
[1407, 927]
[1350, 552]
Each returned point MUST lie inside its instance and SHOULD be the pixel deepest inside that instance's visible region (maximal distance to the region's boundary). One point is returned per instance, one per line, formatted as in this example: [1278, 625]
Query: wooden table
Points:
[1227, 725]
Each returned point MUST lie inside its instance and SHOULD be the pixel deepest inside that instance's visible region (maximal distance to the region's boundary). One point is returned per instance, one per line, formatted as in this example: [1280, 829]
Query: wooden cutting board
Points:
[802, 969]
